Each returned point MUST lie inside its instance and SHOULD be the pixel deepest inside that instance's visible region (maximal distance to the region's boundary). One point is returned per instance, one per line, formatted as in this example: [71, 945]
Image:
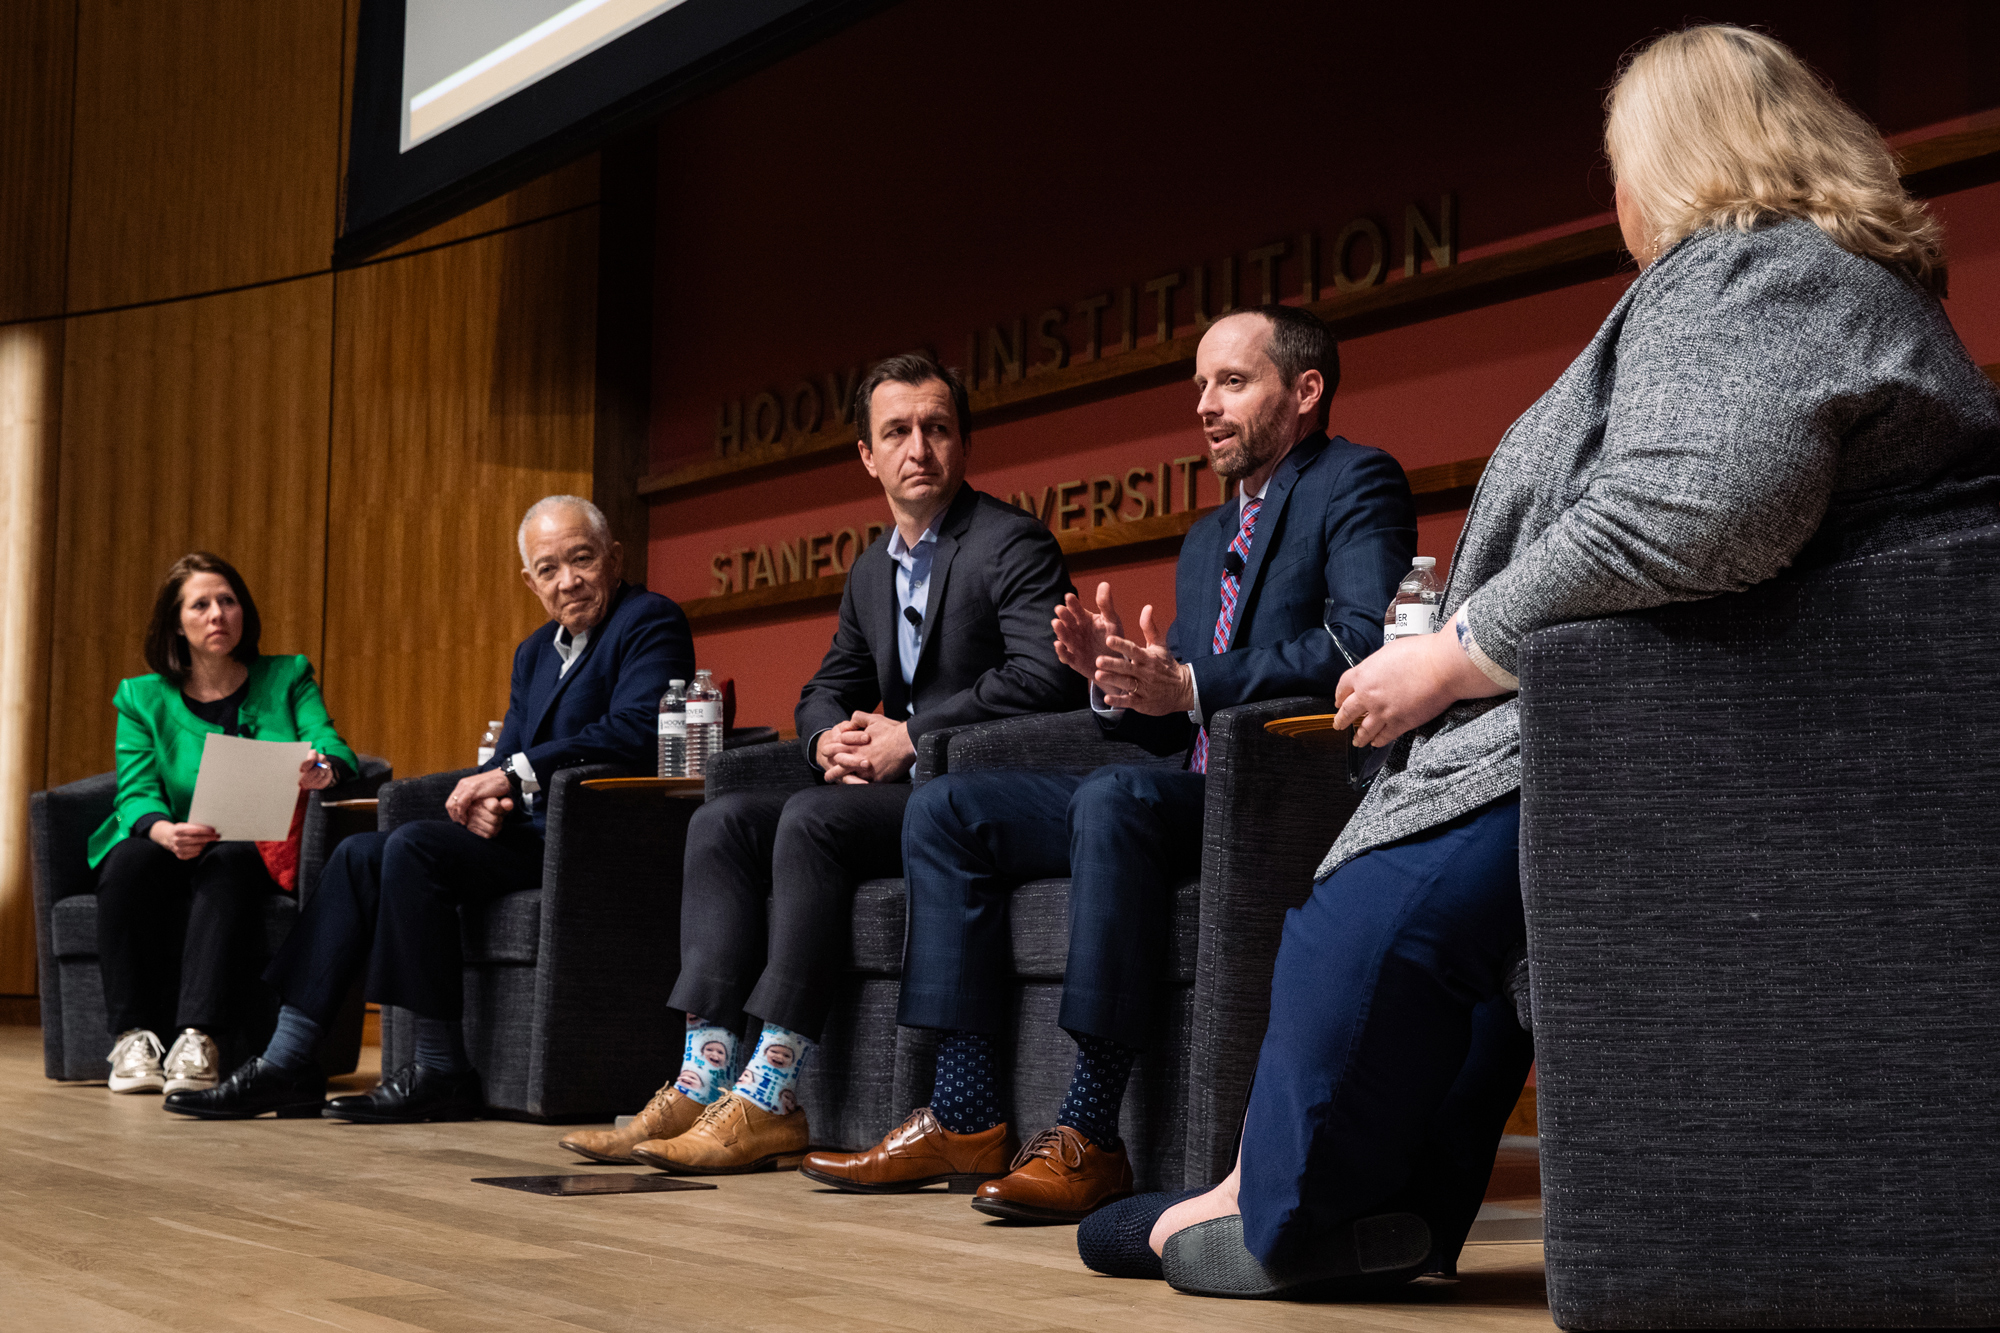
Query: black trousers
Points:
[804, 851]
[389, 902]
[1125, 836]
[178, 940]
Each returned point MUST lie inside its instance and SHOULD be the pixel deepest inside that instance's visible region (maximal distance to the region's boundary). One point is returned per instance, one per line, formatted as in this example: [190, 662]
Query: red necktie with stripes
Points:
[1232, 590]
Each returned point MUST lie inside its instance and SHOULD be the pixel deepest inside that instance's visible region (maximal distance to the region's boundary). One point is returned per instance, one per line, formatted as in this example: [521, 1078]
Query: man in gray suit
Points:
[945, 621]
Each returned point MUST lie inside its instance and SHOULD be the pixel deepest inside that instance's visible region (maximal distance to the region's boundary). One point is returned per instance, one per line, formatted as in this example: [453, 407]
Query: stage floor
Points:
[116, 1216]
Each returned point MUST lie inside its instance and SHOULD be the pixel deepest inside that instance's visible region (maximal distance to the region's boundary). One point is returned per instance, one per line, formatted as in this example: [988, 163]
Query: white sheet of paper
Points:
[247, 789]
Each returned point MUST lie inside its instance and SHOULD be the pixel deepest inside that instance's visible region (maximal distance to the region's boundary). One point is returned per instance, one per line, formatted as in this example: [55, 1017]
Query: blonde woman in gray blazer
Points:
[1779, 386]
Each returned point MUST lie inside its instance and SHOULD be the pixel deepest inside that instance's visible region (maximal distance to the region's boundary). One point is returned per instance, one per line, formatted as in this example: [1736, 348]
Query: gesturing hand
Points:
[1082, 634]
[868, 747]
[1145, 675]
[183, 840]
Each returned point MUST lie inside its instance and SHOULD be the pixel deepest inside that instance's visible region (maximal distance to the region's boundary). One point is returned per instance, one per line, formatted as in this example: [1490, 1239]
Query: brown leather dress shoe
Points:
[917, 1153]
[1059, 1177]
[670, 1114]
[733, 1136]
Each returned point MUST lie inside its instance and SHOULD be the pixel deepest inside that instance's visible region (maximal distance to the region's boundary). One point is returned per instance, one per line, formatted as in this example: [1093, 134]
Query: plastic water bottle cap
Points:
[1425, 562]
[677, 684]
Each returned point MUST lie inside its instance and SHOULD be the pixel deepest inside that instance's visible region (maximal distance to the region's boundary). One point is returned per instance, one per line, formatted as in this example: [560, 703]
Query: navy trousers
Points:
[1393, 1055]
[389, 902]
[1125, 835]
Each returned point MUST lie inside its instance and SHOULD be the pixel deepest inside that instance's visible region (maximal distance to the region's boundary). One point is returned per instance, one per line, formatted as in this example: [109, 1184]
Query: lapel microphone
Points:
[914, 616]
[1232, 563]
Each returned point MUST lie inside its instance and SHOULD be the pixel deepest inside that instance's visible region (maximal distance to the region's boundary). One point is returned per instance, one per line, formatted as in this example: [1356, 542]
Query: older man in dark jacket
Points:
[586, 689]
[944, 621]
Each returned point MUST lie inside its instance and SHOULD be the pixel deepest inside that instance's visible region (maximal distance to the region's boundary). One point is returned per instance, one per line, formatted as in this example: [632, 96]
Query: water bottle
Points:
[1415, 610]
[489, 742]
[704, 724]
[674, 730]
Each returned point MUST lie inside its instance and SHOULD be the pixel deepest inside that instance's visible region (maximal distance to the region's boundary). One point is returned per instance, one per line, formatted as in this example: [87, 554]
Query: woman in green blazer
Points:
[177, 909]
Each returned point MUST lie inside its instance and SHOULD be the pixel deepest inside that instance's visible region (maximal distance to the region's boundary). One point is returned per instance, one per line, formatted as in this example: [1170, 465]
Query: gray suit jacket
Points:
[1755, 399]
[988, 650]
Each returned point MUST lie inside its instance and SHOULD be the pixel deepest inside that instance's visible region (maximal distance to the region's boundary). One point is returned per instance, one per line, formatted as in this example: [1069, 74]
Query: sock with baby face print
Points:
[771, 1078]
[708, 1065]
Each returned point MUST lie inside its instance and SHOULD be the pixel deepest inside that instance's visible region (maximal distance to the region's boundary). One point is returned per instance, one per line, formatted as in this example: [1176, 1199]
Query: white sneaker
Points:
[192, 1065]
[135, 1063]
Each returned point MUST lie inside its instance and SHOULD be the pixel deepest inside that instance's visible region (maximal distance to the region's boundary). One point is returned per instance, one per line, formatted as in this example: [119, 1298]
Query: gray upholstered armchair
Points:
[1758, 847]
[1274, 807]
[566, 986]
[74, 1041]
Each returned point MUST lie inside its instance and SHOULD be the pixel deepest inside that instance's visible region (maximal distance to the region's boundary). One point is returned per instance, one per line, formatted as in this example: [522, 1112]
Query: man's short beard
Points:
[1257, 443]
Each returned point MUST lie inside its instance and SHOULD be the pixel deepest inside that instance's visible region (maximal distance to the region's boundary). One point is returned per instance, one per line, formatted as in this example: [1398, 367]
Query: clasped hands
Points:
[1144, 676]
[186, 840]
[868, 747]
[481, 802]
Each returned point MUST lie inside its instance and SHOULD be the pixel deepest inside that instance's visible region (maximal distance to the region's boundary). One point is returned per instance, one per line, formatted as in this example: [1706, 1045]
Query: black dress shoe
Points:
[1113, 1240]
[1361, 1257]
[412, 1094]
[257, 1086]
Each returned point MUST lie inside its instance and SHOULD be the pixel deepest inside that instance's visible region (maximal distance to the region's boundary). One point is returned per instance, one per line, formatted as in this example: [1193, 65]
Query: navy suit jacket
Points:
[1337, 521]
[606, 710]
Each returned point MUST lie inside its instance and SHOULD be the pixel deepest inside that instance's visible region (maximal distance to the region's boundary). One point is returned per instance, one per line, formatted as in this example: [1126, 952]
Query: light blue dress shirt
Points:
[913, 587]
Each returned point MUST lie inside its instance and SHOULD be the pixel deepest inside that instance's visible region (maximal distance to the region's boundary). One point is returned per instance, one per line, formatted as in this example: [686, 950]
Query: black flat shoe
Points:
[255, 1088]
[413, 1094]
[1365, 1255]
[1113, 1239]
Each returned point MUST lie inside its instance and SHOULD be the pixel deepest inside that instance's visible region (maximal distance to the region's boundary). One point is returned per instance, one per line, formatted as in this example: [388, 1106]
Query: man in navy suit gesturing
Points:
[1311, 519]
[586, 690]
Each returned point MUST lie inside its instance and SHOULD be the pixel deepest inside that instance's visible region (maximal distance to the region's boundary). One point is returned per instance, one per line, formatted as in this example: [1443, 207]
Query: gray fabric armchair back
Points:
[566, 986]
[75, 1043]
[1758, 836]
[1274, 806]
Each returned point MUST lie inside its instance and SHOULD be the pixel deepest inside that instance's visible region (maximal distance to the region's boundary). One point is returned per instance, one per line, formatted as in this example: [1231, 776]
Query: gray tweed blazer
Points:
[1755, 399]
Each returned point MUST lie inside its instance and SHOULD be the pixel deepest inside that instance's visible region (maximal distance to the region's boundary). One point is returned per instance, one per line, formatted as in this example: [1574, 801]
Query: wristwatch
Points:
[521, 777]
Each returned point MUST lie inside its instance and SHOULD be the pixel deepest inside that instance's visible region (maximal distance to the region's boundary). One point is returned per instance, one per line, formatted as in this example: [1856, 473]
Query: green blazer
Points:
[160, 741]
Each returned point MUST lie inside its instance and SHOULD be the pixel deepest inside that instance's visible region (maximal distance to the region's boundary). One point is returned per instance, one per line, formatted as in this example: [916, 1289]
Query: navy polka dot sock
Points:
[966, 1099]
[1096, 1089]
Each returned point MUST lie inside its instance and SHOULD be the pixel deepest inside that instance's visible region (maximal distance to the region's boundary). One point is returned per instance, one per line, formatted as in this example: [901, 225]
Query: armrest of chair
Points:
[61, 821]
[1070, 742]
[610, 935]
[315, 839]
[773, 766]
[1274, 805]
[407, 800]
[1756, 840]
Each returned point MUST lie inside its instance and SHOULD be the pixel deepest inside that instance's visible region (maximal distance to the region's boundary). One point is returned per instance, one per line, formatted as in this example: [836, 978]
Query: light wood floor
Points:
[115, 1216]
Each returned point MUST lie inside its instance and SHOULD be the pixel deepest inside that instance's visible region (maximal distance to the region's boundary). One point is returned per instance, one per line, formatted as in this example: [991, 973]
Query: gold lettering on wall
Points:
[1067, 506]
[997, 352]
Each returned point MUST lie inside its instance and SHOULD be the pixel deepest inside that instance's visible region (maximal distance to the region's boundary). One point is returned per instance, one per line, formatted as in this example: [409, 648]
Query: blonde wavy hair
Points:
[1718, 126]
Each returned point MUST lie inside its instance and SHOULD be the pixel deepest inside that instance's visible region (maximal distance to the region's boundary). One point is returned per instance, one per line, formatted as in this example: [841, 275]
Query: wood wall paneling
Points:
[207, 146]
[30, 406]
[561, 191]
[197, 424]
[37, 59]
[463, 394]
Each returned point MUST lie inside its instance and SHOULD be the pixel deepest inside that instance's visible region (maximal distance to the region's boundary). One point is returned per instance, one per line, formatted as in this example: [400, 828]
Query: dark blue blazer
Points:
[1337, 521]
[606, 710]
